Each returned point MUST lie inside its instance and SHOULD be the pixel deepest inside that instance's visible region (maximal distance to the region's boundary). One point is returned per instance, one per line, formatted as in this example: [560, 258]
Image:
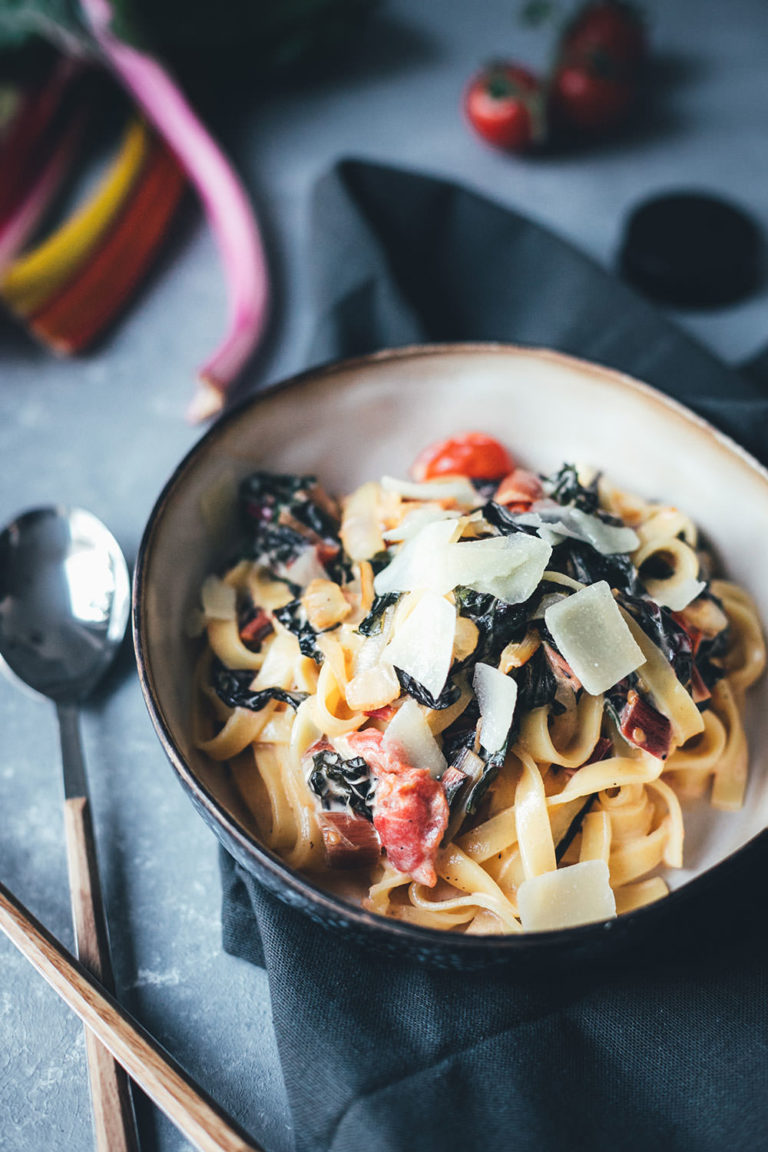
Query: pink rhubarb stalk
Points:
[224, 198]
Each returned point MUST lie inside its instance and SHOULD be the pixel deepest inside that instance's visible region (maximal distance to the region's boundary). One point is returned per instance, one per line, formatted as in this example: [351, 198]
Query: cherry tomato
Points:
[597, 75]
[505, 104]
[588, 98]
[472, 454]
[608, 26]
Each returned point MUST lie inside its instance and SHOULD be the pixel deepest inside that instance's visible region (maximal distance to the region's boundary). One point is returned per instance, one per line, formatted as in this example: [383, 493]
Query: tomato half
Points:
[472, 454]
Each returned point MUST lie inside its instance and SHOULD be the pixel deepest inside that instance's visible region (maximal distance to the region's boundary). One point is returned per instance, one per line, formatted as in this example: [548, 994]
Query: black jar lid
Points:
[691, 249]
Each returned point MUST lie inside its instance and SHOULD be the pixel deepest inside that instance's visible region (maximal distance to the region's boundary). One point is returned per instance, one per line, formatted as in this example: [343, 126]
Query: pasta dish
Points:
[483, 696]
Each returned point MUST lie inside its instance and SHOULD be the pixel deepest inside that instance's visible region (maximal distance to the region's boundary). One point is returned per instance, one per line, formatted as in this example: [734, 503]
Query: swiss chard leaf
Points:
[537, 685]
[583, 562]
[659, 626]
[372, 624]
[504, 520]
[461, 733]
[477, 792]
[233, 688]
[293, 617]
[282, 514]
[343, 781]
[565, 488]
[448, 696]
[498, 622]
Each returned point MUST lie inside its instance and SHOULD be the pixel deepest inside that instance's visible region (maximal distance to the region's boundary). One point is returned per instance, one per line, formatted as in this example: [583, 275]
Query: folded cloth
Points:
[666, 1048]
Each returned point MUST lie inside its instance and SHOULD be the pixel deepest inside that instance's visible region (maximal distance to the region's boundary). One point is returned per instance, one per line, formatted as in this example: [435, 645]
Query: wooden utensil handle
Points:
[114, 1122]
[194, 1113]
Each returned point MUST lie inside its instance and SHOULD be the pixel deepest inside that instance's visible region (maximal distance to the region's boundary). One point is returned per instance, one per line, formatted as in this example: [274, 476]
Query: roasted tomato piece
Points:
[472, 454]
[369, 743]
[410, 814]
[410, 811]
[519, 490]
[644, 726]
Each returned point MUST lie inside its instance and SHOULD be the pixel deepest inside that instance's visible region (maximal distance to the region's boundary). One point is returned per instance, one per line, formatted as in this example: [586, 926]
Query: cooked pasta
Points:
[483, 695]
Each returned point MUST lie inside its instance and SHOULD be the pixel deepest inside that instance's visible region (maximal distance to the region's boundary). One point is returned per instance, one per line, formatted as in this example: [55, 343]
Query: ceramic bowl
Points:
[362, 418]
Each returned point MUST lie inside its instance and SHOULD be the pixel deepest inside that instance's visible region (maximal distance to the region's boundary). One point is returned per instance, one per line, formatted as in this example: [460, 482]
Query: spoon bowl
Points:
[64, 601]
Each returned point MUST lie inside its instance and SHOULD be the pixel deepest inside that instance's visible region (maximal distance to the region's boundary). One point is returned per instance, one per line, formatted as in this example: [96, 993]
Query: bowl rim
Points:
[629, 925]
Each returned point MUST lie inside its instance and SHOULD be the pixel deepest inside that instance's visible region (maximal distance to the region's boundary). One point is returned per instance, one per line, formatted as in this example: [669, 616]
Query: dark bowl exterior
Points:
[680, 920]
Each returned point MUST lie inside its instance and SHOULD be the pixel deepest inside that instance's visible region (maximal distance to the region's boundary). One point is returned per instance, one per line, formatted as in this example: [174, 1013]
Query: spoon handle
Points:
[114, 1122]
[193, 1112]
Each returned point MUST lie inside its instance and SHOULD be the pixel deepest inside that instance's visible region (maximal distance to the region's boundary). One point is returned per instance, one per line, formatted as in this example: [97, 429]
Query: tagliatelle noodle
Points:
[534, 832]
[668, 694]
[569, 788]
[226, 644]
[642, 892]
[242, 729]
[536, 737]
[464, 907]
[730, 775]
[745, 659]
[596, 837]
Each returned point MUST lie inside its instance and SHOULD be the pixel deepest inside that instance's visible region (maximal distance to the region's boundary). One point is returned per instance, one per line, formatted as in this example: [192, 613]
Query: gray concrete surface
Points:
[106, 431]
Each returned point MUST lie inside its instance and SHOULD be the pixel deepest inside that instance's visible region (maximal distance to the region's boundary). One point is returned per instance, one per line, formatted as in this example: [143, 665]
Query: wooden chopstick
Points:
[166, 1083]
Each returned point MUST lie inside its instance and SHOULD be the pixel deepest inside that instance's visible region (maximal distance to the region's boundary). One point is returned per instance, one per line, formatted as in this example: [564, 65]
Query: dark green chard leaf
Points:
[461, 733]
[659, 626]
[233, 688]
[498, 622]
[283, 514]
[537, 685]
[346, 782]
[293, 617]
[493, 765]
[709, 657]
[564, 488]
[458, 739]
[448, 696]
[582, 562]
[276, 544]
[372, 624]
[504, 520]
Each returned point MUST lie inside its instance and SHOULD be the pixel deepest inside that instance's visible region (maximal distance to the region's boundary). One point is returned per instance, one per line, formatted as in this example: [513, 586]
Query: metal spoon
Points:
[64, 606]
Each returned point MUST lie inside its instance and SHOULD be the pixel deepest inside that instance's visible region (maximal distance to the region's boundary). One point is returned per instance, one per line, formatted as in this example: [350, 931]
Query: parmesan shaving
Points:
[496, 696]
[409, 731]
[553, 524]
[416, 565]
[459, 489]
[590, 632]
[422, 645]
[414, 521]
[578, 894]
[218, 599]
